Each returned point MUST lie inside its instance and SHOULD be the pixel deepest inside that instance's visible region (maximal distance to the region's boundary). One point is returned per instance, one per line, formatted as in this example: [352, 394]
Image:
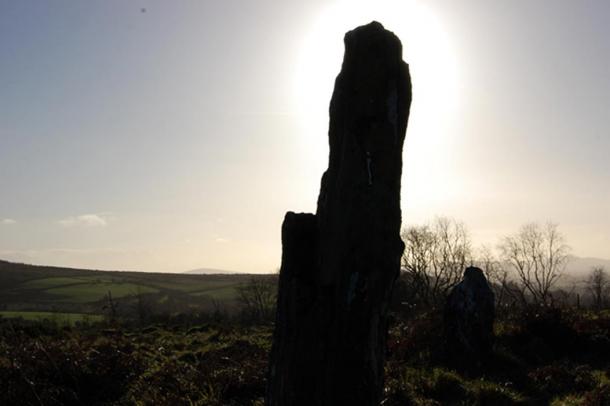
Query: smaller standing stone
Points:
[469, 316]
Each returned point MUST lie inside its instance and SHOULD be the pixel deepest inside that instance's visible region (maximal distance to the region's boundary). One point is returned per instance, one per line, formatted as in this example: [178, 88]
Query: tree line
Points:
[523, 270]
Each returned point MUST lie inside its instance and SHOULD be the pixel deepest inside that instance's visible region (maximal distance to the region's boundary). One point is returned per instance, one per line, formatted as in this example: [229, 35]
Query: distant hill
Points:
[33, 288]
[210, 271]
[578, 269]
[581, 267]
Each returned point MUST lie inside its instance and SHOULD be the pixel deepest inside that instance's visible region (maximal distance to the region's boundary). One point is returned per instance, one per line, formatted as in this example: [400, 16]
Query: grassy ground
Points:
[156, 365]
[60, 318]
[541, 359]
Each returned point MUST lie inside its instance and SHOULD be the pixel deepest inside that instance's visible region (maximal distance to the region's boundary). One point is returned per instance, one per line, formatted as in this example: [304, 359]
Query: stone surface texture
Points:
[339, 265]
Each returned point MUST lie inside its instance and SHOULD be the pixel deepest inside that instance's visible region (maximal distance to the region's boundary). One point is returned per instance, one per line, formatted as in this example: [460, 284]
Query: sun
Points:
[428, 50]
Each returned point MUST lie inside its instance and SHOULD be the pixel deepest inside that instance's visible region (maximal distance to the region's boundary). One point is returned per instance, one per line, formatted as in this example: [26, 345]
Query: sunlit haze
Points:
[168, 136]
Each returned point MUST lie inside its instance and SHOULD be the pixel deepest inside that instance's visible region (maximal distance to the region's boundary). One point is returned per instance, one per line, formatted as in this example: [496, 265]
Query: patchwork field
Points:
[30, 291]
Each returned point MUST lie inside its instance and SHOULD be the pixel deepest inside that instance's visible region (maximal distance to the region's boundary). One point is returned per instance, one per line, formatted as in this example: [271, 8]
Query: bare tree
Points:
[598, 284]
[491, 266]
[417, 259]
[565, 297]
[508, 294]
[538, 254]
[496, 274]
[141, 306]
[435, 257]
[257, 297]
[111, 307]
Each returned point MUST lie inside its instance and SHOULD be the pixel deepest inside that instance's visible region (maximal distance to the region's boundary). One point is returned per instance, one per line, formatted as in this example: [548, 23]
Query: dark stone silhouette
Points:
[339, 265]
[469, 317]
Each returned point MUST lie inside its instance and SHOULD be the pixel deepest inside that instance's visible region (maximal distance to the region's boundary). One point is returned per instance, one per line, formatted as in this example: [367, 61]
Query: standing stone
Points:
[469, 317]
[339, 265]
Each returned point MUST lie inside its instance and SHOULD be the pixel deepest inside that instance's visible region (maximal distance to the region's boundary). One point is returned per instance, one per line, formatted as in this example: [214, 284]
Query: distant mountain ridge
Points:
[210, 271]
[580, 267]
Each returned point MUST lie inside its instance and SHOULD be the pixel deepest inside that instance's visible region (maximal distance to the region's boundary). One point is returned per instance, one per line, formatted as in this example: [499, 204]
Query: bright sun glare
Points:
[428, 51]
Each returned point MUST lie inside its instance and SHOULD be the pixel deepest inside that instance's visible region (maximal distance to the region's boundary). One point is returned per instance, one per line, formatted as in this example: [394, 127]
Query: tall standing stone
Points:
[339, 265]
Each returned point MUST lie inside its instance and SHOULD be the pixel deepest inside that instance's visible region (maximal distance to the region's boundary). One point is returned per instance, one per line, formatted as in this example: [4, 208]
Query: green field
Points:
[45, 283]
[39, 289]
[218, 293]
[87, 292]
[85, 289]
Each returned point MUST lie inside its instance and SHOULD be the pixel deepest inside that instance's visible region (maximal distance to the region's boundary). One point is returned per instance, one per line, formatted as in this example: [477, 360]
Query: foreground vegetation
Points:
[544, 356]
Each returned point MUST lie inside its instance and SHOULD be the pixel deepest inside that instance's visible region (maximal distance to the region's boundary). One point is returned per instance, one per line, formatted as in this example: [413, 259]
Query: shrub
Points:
[563, 379]
[489, 394]
[599, 396]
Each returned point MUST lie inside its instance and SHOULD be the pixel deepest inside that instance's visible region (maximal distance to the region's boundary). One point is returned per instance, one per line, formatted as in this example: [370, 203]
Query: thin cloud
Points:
[84, 220]
[221, 240]
[8, 222]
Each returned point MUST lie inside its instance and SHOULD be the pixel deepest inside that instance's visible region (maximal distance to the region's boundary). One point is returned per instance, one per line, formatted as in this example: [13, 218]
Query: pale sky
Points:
[173, 135]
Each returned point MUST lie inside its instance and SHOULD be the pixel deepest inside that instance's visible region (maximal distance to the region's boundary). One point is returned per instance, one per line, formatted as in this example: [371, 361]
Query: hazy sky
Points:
[171, 135]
